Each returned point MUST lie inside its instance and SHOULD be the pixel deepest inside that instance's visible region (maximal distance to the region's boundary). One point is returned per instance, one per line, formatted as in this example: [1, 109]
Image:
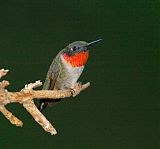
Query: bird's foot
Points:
[76, 89]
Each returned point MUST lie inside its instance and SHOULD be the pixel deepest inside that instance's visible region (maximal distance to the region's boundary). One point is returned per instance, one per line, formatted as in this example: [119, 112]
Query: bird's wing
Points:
[50, 81]
[52, 76]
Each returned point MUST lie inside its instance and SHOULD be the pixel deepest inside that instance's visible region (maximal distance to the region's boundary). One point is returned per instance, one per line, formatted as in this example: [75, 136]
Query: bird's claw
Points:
[76, 89]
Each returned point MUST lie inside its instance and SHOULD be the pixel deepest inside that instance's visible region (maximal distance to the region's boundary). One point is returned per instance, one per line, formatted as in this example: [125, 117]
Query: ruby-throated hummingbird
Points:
[66, 68]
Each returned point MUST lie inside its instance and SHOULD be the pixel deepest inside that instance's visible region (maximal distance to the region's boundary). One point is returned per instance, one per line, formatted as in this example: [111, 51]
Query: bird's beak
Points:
[93, 42]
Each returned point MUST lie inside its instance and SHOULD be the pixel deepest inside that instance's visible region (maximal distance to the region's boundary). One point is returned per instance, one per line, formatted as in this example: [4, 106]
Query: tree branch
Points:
[26, 97]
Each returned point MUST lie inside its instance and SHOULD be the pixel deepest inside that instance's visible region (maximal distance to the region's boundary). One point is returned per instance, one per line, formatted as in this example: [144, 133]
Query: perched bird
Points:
[66, 68]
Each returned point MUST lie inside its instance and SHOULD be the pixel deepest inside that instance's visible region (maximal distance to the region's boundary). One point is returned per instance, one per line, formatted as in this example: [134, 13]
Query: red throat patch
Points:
[77, 60]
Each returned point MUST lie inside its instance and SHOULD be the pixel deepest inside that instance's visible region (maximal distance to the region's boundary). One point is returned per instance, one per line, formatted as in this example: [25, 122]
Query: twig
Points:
[26, 97]
[14, 120]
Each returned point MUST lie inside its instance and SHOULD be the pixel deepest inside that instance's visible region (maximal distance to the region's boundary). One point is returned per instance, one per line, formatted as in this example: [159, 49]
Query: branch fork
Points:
[26, 97]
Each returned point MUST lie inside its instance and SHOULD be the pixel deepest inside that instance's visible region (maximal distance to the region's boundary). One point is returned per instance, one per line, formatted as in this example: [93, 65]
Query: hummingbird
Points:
[66, 69]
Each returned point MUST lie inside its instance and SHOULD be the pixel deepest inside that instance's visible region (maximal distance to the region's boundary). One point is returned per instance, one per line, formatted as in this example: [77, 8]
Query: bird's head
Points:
[77, 52]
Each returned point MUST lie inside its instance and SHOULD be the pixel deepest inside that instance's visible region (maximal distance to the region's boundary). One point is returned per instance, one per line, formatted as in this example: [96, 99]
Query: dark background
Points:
[120, 109]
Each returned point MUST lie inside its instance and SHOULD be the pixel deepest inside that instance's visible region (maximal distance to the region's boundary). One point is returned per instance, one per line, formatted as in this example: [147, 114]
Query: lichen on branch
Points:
[26, 97]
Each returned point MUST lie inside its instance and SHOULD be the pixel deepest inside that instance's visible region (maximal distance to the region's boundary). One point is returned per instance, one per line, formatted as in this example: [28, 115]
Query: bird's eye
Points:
[74, 48]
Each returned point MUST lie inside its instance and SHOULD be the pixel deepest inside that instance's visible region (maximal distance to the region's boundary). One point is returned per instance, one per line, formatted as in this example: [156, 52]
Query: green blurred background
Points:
[120, 109]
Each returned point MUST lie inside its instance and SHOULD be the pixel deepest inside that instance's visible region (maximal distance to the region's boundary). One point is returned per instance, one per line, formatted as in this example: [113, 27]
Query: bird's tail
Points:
[43, 103]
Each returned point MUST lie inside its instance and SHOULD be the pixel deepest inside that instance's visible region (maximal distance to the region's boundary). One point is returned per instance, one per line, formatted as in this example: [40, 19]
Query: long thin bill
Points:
[93, 42]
